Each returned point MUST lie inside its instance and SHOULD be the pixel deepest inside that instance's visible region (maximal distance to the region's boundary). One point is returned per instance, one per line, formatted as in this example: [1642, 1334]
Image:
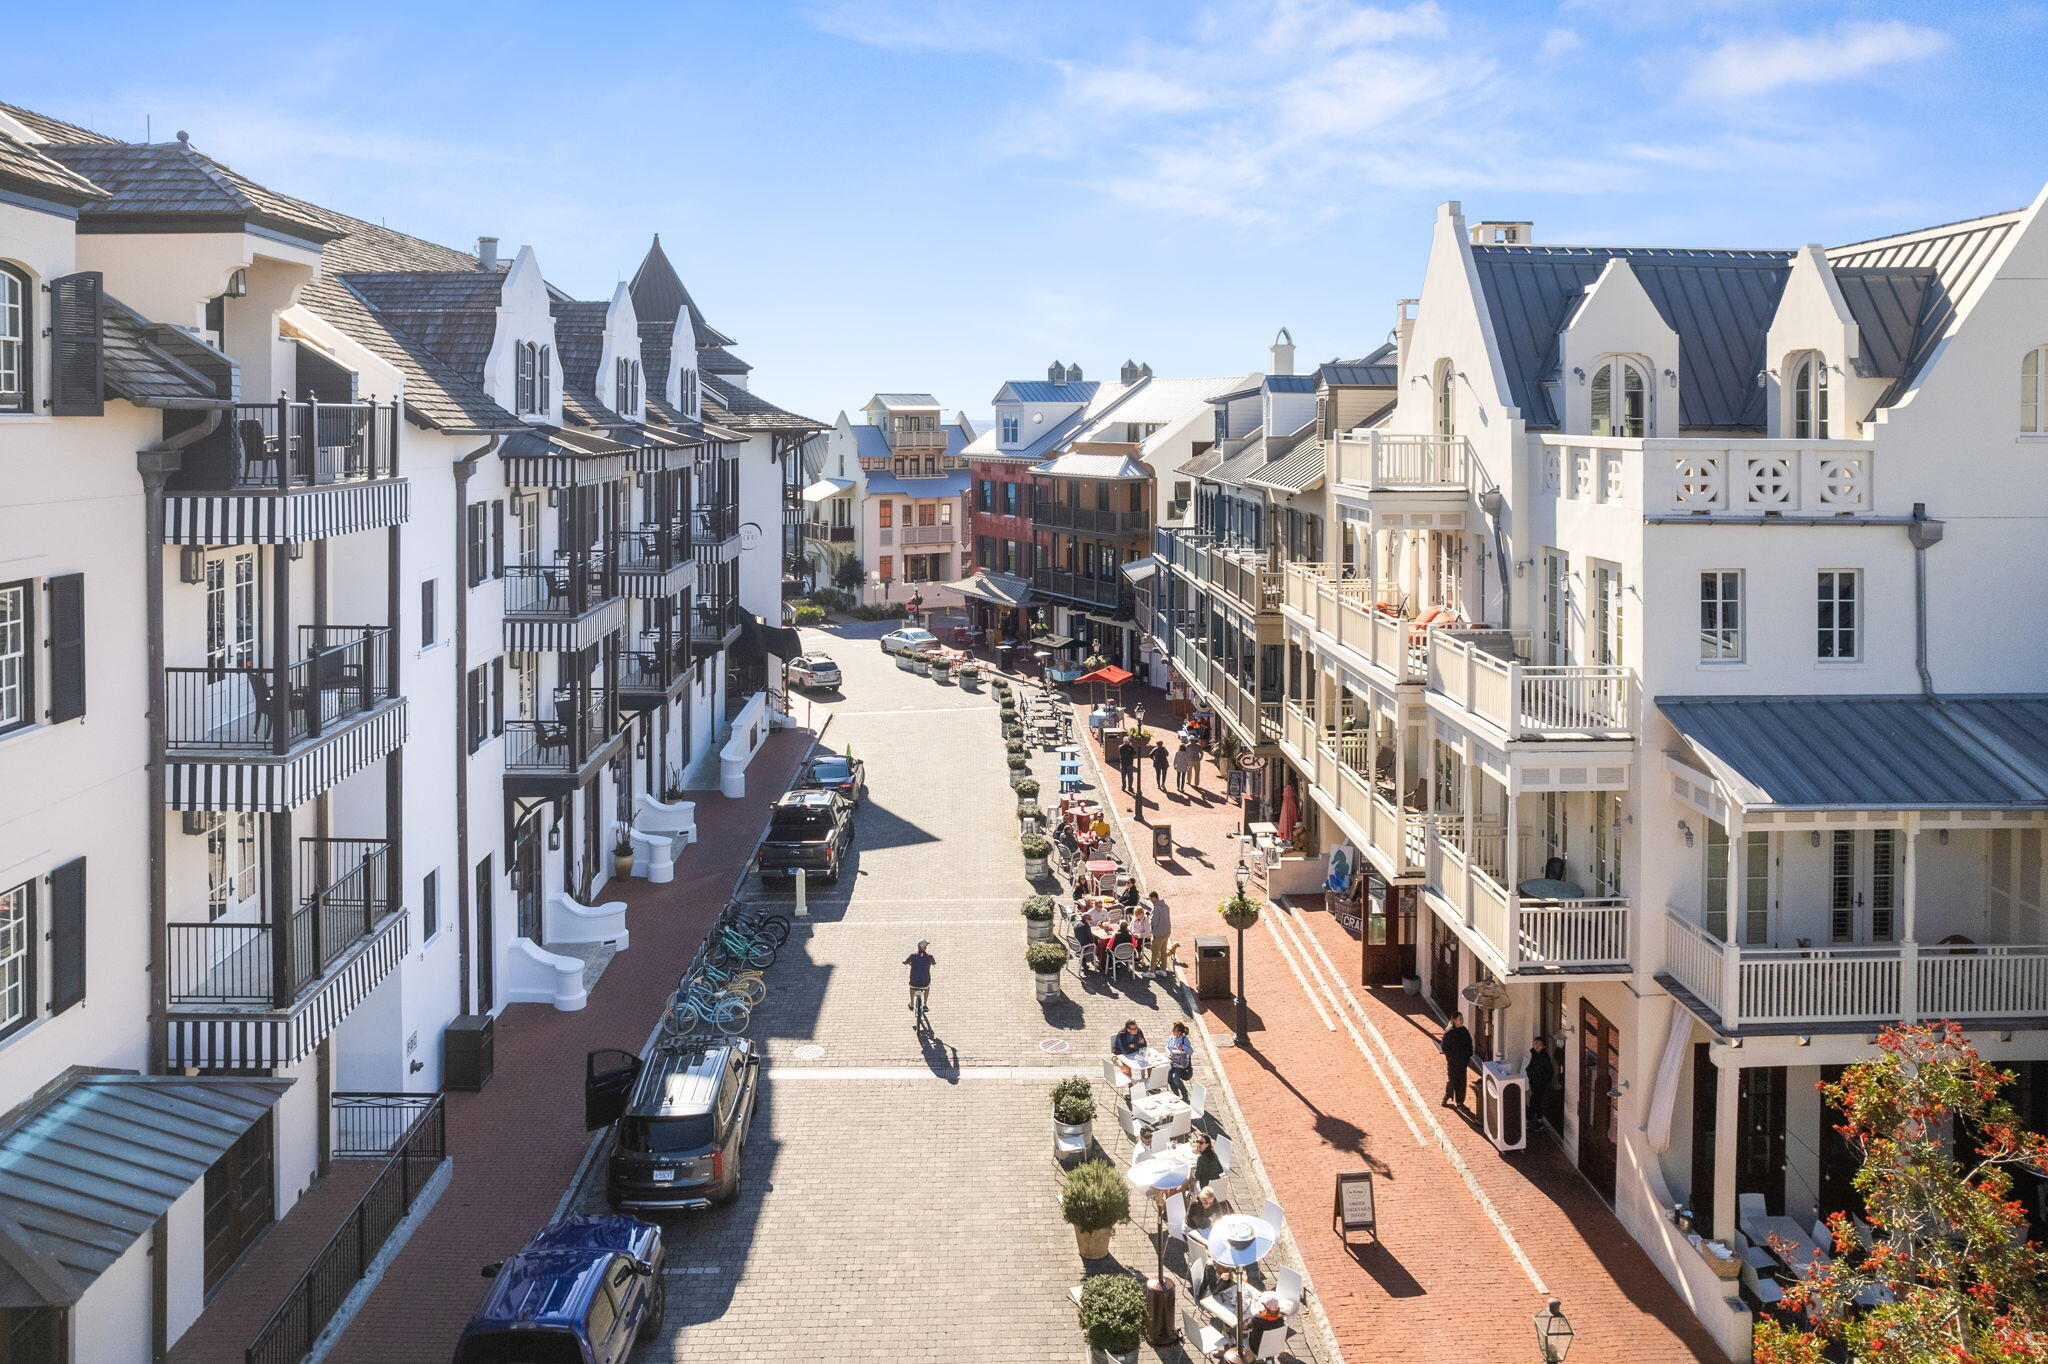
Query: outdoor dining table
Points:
[1239, 1240]
[1142, 1063]
[1161, 1174]
[1165, 1111]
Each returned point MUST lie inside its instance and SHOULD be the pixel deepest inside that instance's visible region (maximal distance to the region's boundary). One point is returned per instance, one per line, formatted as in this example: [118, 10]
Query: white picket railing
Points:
[1572, 933]
[1527, 699]
[1390, 462]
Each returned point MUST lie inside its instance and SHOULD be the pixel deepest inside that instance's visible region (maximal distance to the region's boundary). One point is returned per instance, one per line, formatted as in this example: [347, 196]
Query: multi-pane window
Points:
[231, 869]
[885, 510]
[1621, 400]
[525, 376]
[2033, 386]
[1840, 615]
[17, 664]
[430, 905]
[690, 395]
[1446, 399]
[1810, 397]
[1011, 429]
[231, 622]
[544, 380]
[1721, 615]
[17, 956]
[626, 384]
[1716, 897]
[15, 340]
[1607, 614]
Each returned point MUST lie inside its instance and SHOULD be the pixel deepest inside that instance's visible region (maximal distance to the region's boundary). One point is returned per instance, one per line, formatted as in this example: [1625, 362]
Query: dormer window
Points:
[626, 387]
[14, 340]
[1446, 399]
[1809, 397]
[692, 399]
[2033, 389]
[1013, 428]
[526, 378]
[1621, 400]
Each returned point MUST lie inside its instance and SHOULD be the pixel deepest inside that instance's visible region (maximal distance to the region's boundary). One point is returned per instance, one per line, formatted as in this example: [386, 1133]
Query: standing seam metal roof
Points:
[1957, 253]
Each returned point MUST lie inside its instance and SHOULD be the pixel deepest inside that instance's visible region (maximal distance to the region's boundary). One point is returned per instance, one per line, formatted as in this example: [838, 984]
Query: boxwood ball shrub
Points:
[810, 615]
[1027, 789]
[1037, 847]
[1045, 958]
[1097, 1198]
[1019, 763]
[1039, 908]
[1113, 1312]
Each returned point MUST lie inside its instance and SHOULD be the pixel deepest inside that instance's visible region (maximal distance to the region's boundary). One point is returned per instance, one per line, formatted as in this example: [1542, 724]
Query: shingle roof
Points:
[436, 395]
[25, 168]
[176, 178]
[1957, 253]
[581, 408]
[1719, 302]
[579, 341]
[657, 344]
[747, 411]
[145, 360]
[52, 129]
[1202, 464]
[719, 360]
[658, 295]
[1871, 752]
[453, 313]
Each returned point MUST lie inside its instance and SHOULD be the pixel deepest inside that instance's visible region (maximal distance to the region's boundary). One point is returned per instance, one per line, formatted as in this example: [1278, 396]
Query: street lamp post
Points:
[1244, 877]
[1553, 1333]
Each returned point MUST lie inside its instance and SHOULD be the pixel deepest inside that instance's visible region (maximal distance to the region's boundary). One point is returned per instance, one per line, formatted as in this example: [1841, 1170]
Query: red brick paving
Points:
[517, 1144]
[1441, 1283]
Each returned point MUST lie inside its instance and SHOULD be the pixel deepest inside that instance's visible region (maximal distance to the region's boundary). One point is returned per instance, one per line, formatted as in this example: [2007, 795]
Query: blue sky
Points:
[915, 194]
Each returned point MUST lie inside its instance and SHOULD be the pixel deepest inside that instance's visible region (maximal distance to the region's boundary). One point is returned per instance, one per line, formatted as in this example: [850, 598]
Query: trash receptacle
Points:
[1212, 968]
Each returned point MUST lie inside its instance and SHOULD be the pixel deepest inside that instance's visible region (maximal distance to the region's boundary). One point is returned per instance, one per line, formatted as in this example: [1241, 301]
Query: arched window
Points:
[690, 397]
[525, 366]
[1446, 400]
[2033, 390]
[15, 338]
[1621, 400]
[1809, 412]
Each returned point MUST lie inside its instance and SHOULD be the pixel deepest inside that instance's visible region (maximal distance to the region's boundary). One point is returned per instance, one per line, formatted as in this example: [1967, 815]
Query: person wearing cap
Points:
[920, 963]
[1269, 1318]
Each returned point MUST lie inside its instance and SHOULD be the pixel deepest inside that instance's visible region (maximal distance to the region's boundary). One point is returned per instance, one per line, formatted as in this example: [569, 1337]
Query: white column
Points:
[1727, 1099]
[1909, 944]
[1511, 864]
[1731, 949]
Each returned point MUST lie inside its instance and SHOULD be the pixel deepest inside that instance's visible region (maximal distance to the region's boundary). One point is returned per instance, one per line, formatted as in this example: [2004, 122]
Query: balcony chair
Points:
[255, 456]
[260, 690]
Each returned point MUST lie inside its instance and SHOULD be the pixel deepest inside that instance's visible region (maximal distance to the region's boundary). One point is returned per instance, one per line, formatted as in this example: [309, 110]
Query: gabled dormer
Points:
[621, 367]
[1617, 361]
[523, 368]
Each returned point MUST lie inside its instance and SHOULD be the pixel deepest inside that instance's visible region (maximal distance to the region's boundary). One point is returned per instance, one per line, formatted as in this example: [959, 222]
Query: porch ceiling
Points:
[1870, 752]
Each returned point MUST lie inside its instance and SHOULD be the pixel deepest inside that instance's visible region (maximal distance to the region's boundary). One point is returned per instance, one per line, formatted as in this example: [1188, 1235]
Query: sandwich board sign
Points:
[1354, 1209]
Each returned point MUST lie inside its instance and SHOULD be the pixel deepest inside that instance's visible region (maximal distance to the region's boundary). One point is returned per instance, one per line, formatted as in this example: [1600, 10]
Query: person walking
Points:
[1457, 1048]
[1183, 763]
[920, 963]
[1162, 931]
[1159, 764]
[1127, 763]
[1542, 1073]
[1180, 1060]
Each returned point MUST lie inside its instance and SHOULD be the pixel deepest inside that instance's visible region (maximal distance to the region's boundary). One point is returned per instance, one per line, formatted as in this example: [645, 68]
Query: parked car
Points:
[909, 640]
[834, 772]
[583, 1291]
[808, 829]
[814, 670]
[679, 1122]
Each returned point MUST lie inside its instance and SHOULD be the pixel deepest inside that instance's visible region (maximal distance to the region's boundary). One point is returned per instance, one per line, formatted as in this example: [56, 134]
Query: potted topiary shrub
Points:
[1014, 745]
[1095, 1200]
[942, 668]
[622, 855]
[1038, 912]
[1046, 960]
[1026, 789]
[1028, 815]
[1036, 850]
[969, 675]
[922, 664]
[1113, 1314]
[1073, 1107]
[1019, 763]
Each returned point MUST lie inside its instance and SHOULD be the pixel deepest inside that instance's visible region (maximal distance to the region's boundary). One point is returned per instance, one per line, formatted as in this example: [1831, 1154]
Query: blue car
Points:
[584, 1291]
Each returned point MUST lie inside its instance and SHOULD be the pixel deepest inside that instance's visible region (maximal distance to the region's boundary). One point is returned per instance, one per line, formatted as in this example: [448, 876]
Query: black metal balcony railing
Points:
[345, 898]
[415, 1149]
[653, 669]
[1077, 587]
[652, 549]
[1092, 520]
[832, 535]
[580, 728]
[715, 525]
[283, 446]
[345, 670]
[561, 591]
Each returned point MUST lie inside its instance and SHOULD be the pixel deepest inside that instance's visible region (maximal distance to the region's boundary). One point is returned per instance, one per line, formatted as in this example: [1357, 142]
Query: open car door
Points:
[608, 1078]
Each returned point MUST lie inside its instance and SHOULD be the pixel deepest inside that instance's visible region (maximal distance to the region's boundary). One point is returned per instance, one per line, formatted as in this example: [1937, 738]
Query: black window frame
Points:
[430, 905]
[25, 401]
[29, 698]
[430, 590]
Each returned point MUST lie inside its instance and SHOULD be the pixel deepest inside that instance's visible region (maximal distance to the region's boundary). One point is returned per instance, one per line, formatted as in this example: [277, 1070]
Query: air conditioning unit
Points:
[1503, 1106]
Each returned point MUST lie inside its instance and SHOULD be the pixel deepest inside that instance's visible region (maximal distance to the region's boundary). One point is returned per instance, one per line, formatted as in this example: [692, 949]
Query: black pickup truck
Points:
[812, 830]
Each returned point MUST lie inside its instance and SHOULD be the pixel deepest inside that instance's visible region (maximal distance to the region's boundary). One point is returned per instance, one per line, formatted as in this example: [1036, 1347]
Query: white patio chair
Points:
[1288, 1287]
[1272, 1213]
[1198, 1270]
[1123, 957]
[1198, 1100]
[1114, 1074]
[1201, 1338]
[1177, 1217]
[1273, 1345]
[1222, 1145]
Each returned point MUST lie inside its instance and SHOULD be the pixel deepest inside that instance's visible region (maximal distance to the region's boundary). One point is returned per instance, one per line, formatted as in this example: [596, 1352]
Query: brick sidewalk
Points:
[517, 1144]
[1443, 1281]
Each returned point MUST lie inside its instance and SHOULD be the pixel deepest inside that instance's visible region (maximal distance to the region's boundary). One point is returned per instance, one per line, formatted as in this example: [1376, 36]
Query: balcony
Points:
[1823, 479]
[289, 472]
[215, 965]
[345, 672]
[1774, 988]
[1361, 615]
[1239, 573]
[654, 561]
[919, 535]
[1065, 516]
[915, 437]
[1099, 593]
[1386, 462]
[819, 533]
[712, 526]
[1482, 675]
[713, 625]
[647, 675]
[1336, 768]
[1467, 870]
[563, 606]
[1256, 721]
[552, 757]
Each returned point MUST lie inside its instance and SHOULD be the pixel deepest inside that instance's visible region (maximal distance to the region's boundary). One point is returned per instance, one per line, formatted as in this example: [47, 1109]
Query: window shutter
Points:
[547, 365]
[76, 348]
[67, 647]
[498, 695]
[67, 935]
[498, 539]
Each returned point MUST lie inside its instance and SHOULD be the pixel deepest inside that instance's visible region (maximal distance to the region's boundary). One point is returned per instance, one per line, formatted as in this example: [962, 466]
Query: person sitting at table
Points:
[1100, 828]
[1180, 1060]
[1128, 1041]
[1269, 1318]
[1208, 1169]
[1128, 897]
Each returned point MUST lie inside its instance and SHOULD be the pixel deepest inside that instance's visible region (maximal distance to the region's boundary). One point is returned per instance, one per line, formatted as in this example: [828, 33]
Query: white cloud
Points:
[1746, 67]
[1559, 42]
[941, 25]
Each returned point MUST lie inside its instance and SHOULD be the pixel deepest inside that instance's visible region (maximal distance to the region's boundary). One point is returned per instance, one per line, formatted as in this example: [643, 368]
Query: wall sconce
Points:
[554, 497]
[238, 285]
[1685, 829]
[1813, 838]
[295, 551]
[1944, 838]
[555, 836]
[1578, 374]
[1671, 378]
[641, 751]
[192, 564]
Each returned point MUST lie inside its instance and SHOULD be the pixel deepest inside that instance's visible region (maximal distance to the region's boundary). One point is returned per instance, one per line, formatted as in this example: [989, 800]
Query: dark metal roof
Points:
[145, 360]
[1719, 302]
[1377, 370]
[1290, 383]
[24, 168]
[89, 1165]
[1888, 306]
[175, 178]
[1957, 253]
[658, 295]
[1871, 752]
[560, 440]
[436, 395]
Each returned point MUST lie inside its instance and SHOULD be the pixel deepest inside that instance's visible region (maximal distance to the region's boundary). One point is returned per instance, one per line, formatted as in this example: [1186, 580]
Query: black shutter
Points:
[67, 935]
[498, 539]
[498, 695]
[473, 708]
[76, 349]
[67, 647]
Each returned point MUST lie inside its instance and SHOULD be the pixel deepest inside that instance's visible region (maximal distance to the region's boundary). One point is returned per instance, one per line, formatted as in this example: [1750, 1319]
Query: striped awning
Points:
[255, 518]
[526, 634]
[556, 457]
[271, 784]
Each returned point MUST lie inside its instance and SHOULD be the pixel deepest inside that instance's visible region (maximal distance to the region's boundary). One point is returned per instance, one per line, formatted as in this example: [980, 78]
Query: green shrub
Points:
[1028, 809]
[809, 615]
[1113, 1312]
[1014, 745]
[1096, 1197]
[1239, 911]
[832, 599]
[1045, 958]
[887, 611]
[1037, 847]
[1027, 789]
[1039, 908]
[1073, 1087]
[1019, 763]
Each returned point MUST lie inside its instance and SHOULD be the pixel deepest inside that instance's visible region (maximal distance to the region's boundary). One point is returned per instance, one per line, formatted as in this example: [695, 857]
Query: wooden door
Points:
[526, 873]
[1389, 932]
[1599, 1073]
[1443, 976]
[1760, 1136]
[239, 1201]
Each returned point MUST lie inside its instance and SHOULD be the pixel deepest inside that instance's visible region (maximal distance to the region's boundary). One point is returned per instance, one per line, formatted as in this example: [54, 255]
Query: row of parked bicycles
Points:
[723, 984]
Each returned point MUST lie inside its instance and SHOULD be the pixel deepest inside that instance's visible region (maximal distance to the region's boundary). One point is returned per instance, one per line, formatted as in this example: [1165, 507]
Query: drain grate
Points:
[1055, 1046]
[809, 1051]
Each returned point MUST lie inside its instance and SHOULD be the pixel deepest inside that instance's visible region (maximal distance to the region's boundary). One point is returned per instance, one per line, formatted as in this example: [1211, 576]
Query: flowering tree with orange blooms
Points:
[1946, 1275]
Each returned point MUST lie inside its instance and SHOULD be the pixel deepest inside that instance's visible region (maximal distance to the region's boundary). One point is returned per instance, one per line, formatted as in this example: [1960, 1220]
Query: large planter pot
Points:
[1034, 867]
[1038, 930]
[1093, 1245]
[1074, 1129]
[1048, 985]
[1131, 1358]
[622, 865]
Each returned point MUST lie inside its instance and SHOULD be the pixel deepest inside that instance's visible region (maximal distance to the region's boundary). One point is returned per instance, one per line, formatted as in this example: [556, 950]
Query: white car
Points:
[814, 670]
[909, 640]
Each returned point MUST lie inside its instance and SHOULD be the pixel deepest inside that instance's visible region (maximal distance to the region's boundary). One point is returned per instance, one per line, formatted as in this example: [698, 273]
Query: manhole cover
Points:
[1055, 1045]
[809, 1051]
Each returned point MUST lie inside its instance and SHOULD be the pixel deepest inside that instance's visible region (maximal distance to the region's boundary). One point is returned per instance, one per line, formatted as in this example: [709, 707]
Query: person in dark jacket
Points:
[1542, 1074]
[1457, 1048]
[1127, 763]
[1159, 763]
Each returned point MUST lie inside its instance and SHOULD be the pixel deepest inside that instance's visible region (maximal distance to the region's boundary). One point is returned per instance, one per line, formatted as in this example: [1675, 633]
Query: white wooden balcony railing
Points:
[1347, 611]
[1381, 461]
[1465, 867]
[1885, 983]
[1702, 477]
[1336, 766]
[1526, 700]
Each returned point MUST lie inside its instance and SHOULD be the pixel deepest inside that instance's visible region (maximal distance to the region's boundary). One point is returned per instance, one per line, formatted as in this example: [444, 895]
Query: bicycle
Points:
[744, 985]
[694, 1008]
[774, 927]
[730, 942]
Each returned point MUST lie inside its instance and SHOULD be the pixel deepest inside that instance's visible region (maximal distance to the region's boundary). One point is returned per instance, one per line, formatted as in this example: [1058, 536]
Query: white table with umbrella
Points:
[1160, 1174]
[1240, 1241]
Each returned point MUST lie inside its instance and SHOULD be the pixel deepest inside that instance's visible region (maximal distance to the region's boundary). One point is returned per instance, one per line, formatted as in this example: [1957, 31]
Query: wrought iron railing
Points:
[344, 898]
[1077, 586]
[562, 590]
[580, 728]
[652, 549]
[1066, 516]
[713, 526]
[345, 670]
[282, 446]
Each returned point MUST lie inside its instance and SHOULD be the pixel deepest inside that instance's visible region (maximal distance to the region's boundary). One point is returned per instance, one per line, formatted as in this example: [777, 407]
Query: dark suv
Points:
[679, 1122]
[812, 830]
[583, 1291]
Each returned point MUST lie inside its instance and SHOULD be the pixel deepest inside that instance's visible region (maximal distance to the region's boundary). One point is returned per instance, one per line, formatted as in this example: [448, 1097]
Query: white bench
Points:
[571, 921]
[534, 975]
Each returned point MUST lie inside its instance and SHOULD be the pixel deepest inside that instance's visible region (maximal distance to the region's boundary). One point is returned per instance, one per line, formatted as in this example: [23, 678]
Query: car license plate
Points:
[664, 1176]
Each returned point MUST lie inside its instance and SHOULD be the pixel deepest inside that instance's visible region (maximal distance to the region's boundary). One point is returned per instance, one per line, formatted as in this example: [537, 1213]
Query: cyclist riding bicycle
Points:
[920, 963]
